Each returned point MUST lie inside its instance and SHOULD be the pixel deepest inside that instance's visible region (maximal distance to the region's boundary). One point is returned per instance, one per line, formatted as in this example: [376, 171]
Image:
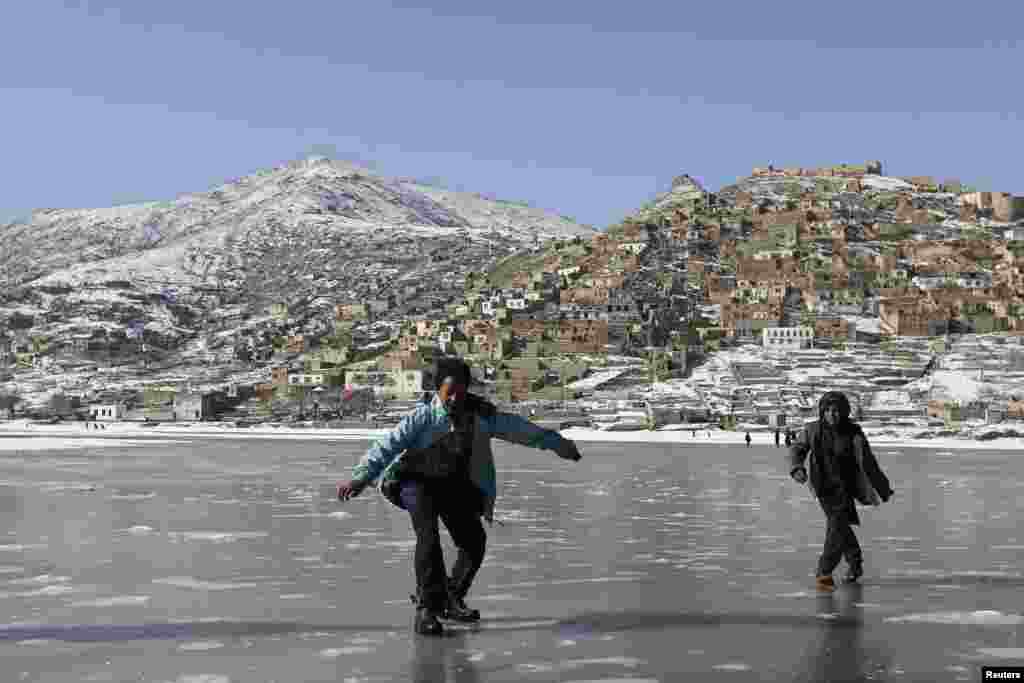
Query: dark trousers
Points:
[840, 542]
[457, 504]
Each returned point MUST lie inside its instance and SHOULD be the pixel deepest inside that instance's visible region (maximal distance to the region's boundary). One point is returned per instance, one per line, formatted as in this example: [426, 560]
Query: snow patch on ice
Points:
[630, 662]
[133, 496]
[976, 618]
[201, 646]
[517, 625]
[115, 601]
[334, 652]
[42, 578]
[1002, 652]
[198, 584]
[220, 536]
[500, 597]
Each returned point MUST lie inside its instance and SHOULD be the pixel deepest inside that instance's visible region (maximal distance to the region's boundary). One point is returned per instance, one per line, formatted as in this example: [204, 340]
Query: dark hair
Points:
[454, 367]
[839, 400]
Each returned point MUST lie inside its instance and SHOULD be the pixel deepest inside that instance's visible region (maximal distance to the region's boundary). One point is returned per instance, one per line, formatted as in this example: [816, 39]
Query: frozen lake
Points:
[199, 560]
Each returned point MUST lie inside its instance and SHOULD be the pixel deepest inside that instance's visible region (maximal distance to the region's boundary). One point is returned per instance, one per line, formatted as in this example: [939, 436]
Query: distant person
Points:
[777, 433]
[789, 438]
[438, 464]
[842, 471]
[694, 433]
[747, 438]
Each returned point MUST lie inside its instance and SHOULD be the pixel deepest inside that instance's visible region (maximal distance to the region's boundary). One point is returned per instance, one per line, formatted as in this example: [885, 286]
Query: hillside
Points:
[324, 254]
[306, 231]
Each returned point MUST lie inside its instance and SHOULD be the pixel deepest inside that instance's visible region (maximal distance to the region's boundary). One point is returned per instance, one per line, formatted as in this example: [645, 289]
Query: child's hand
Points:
[350, 489]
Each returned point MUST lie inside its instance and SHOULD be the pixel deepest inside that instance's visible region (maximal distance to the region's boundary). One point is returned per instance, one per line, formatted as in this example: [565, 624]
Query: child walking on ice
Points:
[437, 464]
[841, 471]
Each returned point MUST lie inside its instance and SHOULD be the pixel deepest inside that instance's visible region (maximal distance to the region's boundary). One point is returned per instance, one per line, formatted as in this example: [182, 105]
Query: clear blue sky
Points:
[586, 108]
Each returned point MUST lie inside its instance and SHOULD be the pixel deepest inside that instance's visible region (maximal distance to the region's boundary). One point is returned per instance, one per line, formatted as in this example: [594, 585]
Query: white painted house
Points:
[110, 412]
[780, 338]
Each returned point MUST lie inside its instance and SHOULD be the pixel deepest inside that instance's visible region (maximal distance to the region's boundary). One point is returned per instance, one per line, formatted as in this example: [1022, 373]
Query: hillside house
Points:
[787, 338]
[279, 376]
[303, 379]
[583, 336]
[296, 344]
[351, 312]
[193, 406]
[107, 412]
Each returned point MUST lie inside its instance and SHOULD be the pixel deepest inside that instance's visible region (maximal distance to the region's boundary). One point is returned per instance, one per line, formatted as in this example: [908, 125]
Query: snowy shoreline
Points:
[677, 435]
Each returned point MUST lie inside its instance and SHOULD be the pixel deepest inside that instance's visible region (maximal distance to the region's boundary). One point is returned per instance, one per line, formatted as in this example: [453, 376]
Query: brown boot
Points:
[825, 583]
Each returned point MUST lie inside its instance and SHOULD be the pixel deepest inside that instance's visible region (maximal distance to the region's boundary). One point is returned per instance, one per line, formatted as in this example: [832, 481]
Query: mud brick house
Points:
[279, 376]
[583, 336]
[1003, 206]
[584, 296]
[530, 330]
[906, 213]
[904, 317]
[831, 328]
[480, 331]
[520, 279]
[265, 392]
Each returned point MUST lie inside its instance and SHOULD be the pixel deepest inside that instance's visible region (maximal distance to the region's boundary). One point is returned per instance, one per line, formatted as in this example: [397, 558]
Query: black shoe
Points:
[457, 611]
[853, 573]
[426, 622]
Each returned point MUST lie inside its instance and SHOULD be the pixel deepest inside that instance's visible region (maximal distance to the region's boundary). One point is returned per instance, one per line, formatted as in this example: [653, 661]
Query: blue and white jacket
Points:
[429, 421]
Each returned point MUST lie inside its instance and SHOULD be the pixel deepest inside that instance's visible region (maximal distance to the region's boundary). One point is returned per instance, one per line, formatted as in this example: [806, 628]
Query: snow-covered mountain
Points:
[166, 239]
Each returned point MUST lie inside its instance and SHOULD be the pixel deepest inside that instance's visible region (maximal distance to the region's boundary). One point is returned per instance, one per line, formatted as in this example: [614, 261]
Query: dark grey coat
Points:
[858, 476]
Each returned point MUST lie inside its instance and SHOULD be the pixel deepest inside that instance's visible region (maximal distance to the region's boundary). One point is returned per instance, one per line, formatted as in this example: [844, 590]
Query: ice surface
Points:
[694, 548]
[42, 443]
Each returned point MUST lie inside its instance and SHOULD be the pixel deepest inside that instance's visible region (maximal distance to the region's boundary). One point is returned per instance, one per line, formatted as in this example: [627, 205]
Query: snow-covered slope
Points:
[315, 193]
